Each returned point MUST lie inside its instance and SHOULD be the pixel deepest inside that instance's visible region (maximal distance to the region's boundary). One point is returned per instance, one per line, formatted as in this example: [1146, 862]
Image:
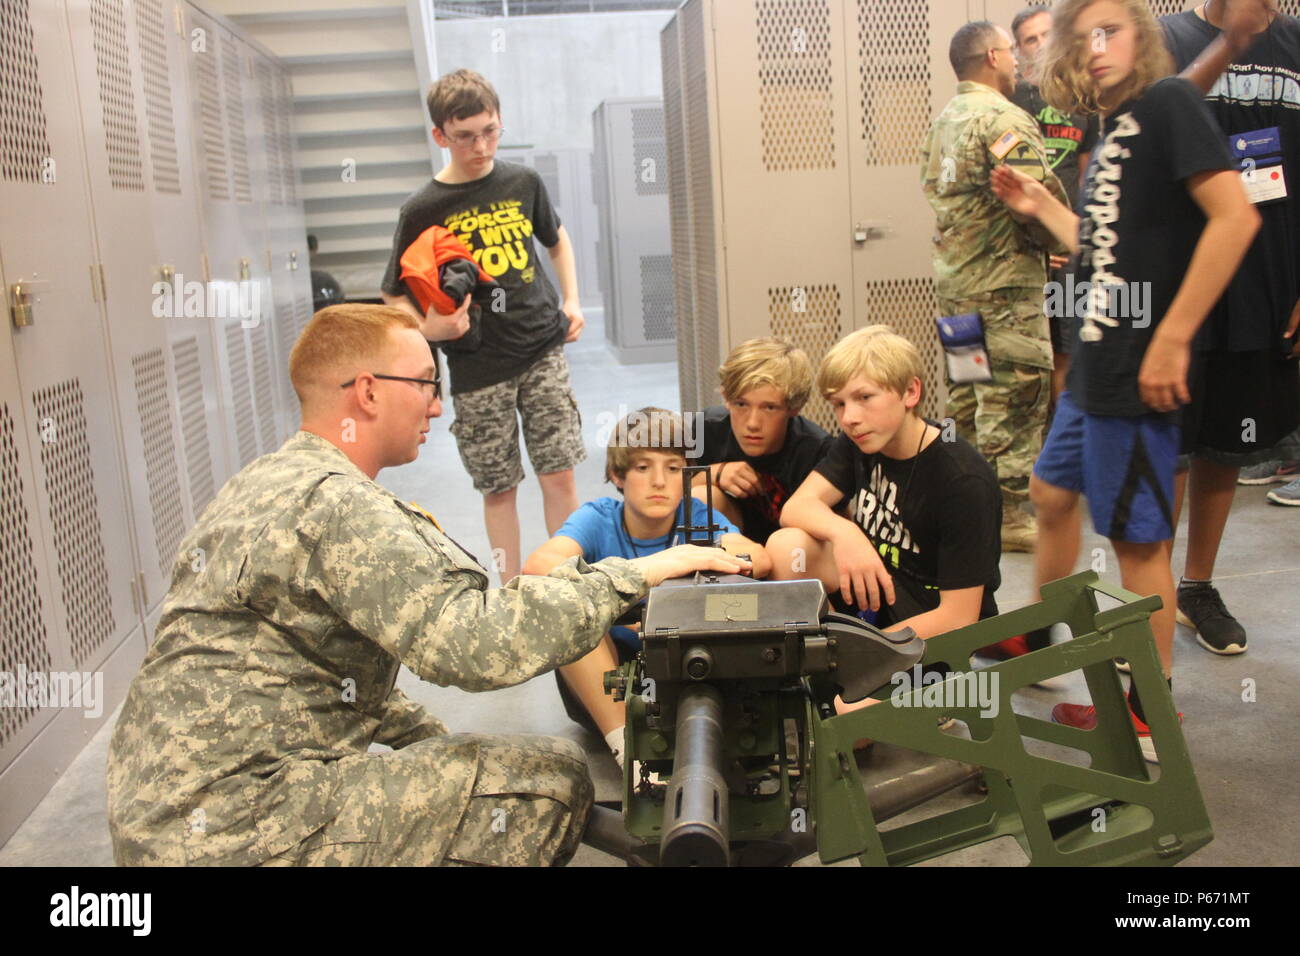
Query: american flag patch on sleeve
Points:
[1009, 141]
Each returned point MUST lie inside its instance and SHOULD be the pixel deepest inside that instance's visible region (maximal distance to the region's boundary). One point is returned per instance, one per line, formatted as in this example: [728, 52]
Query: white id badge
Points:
[1259, 154]
[1264, 184]
[969, 365]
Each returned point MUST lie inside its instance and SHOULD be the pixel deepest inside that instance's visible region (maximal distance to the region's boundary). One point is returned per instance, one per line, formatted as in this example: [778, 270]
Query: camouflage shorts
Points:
[528, 807]
[487, 425]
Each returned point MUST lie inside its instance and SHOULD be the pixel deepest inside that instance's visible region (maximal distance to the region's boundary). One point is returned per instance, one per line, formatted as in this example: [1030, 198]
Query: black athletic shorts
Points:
[1243, 405]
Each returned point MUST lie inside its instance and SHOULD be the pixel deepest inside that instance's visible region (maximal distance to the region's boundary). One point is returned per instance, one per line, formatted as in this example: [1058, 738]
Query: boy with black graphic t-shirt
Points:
[898, 517]
[511, 366]
[1164, 225]
[759, 446]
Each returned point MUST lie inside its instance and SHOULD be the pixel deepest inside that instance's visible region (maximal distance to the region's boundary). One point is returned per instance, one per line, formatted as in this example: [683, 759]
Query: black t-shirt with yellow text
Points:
[497, 217]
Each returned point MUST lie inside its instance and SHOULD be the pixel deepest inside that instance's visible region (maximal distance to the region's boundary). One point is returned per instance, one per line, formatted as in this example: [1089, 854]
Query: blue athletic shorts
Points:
[1123, 466]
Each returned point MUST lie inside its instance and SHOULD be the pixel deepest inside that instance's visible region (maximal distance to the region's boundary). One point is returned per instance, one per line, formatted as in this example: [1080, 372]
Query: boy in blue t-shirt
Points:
[644, 460]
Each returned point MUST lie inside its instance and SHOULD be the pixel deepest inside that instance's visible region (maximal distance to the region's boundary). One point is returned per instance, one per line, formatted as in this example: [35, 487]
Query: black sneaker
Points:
[1201, 609]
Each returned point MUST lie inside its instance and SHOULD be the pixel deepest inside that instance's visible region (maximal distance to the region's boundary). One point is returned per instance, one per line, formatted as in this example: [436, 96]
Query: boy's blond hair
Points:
[459, 96]
[878, 354]
[647, 429]
[1064, 79]
[341, 341]
[767, 361]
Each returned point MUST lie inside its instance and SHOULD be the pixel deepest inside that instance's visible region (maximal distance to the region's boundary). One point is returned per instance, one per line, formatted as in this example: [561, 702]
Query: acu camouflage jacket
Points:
[292, 603]
[979, 244]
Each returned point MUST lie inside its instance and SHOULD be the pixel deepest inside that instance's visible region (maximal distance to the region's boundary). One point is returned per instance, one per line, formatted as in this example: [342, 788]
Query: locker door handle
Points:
[863, 231]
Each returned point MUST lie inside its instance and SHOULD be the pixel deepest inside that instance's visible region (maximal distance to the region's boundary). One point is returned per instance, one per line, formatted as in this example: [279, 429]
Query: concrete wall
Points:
[552, 72]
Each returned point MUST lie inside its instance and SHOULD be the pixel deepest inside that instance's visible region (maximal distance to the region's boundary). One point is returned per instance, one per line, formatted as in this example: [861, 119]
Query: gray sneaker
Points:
[1269, 472]
[1287, 494]
[1201, 609]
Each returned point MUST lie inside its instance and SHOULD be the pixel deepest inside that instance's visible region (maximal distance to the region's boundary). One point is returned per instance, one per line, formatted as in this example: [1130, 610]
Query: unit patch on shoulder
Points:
[1027, 156]
[1008, 141]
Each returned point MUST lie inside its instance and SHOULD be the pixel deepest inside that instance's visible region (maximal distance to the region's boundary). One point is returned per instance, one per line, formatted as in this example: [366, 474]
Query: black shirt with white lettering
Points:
[1259, 91]
[935, 518]
[1138, 230]
[496, 217]
[780, 473]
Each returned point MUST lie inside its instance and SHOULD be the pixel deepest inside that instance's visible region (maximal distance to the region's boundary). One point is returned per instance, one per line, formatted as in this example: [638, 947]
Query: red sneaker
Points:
[1005, 650]
[1085, 718]
[1018, 646]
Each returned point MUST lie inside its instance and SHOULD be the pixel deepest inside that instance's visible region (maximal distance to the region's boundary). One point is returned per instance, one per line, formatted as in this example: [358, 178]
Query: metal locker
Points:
[257, 219]
[297, 264]
[690, 94]
[599, 188]
[173, 205]
[286, 241]
[107, 56]
[566, 174]
[29, 637]
[232, 236]
[781, 92]
[582, 219]
[680, 221]
[631, 175]
[141, 142]
[811, 221]
[1159, 7]
[899, 80]
[60, 427]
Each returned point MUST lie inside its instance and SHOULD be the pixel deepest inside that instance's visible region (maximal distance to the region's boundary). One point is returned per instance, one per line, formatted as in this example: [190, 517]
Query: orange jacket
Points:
[432, 249]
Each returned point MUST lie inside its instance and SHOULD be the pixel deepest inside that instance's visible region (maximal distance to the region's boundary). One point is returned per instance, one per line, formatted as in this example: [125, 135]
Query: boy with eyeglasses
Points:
[759, 448]
[513, 366]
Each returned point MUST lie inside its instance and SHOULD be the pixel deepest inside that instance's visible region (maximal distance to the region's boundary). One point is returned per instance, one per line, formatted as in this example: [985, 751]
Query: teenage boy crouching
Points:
[644, 460]
[900, 518]
[759, 448]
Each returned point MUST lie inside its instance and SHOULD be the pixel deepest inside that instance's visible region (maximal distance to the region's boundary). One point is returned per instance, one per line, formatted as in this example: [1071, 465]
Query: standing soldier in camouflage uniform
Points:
[987, 261]
[245, 736]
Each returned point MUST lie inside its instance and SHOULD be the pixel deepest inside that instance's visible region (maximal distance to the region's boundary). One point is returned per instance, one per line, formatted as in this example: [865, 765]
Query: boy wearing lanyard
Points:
[901, 516]
[644, 460]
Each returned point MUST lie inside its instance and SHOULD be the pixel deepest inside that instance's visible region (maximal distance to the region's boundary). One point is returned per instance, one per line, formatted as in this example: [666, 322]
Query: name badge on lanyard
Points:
[1259, 154]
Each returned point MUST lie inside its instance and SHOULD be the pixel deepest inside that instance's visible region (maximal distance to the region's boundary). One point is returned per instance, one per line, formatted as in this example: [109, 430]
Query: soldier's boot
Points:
[1019, 528]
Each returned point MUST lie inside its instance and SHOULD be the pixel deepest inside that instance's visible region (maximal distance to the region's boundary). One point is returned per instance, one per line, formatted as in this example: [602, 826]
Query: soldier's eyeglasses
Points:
[430, 386]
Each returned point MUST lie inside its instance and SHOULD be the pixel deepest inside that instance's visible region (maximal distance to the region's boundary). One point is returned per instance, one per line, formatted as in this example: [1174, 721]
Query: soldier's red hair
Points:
[341, 341]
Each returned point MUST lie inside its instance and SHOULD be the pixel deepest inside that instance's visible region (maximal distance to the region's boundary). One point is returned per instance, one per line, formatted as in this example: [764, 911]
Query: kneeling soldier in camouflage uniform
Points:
[245, 736]
[987, 261]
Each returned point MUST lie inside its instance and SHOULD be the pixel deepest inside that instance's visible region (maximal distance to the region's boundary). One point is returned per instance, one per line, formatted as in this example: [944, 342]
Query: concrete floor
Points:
[1245, 759]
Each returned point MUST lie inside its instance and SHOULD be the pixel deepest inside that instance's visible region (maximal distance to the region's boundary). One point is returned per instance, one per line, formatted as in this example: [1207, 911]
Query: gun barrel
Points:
[696, 809]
